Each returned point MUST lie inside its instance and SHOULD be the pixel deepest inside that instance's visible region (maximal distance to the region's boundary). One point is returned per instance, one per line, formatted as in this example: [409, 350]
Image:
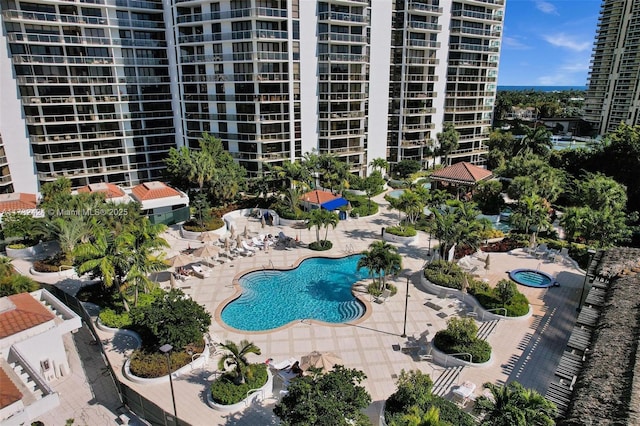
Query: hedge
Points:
[479, 349]
[225, 391]
[321, 245]
[150, 365]
[406, 231]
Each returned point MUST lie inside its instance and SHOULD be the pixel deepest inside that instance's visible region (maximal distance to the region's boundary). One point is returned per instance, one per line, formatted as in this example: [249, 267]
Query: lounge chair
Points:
[424, 354]
[256, 242]
[383, 296]
[541, 251]
[248, 247]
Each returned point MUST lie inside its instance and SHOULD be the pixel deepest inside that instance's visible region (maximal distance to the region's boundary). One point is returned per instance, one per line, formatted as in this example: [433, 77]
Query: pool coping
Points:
[217, 315]
[552, 280]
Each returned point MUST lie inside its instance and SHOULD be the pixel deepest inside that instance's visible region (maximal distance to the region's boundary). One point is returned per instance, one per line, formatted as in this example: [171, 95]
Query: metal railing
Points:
[456, 356]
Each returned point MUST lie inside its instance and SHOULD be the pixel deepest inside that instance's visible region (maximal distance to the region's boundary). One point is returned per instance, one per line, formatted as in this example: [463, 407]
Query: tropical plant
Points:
[531, 214]
[506, 290]
[321, 218]
[68, 232]
[19, 225]
[513, 405]
[447, 141]
[405, 168]
[173, 319]
[457, 224]
[335, 398]
[382, 260]
[460, 338]
[235, 358]
[379, 164]
[537, 140]
[410, 203]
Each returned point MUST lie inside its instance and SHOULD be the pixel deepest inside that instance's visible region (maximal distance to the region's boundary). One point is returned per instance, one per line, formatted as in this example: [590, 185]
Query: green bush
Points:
[374, 289]
[110, 318]
[407, 231]
[321, 245]
[17, 246]
[460, 337]
[449, 412]
[209, 225]
[225, 391]
[518, 307]
[360, 205]
[149, 365]
[445, 274]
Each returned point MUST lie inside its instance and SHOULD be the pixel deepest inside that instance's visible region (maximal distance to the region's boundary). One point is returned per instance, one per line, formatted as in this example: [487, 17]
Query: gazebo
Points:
[462, 176]
[322, 199]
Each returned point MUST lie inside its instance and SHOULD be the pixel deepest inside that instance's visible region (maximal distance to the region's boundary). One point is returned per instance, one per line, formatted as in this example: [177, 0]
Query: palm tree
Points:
[67, 232]
[410, 203]
[457, 224]
[321, 218]
[531, 214]
[513, 405]
[537, 140]
[383, 260]
[447, 141]
[380, 164]
[236, 358]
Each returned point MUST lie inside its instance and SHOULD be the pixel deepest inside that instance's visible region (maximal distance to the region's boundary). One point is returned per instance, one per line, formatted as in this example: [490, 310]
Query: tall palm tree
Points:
[236, 357]
[380, 164]
[383, 260]
[537, 140]
[410, 203]
[68, 232]
[321, 218]
[447, 141]
[531, 214]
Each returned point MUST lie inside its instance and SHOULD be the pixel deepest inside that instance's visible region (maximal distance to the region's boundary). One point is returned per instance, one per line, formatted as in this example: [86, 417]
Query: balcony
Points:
[426, 8]
[343, 38]
[344, 17]
[342, 57]
[80, 154]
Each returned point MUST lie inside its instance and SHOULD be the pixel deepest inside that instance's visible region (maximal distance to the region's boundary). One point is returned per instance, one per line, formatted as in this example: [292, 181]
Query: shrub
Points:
[152, 364]
[17, 246]
[211, 224]
[374, 289]
[507, 244]
[225, 391]
[445, 274]
[519, 305]
[321, 245]
[460, 337]
[110, 318]
[360, 205]
[407, 231]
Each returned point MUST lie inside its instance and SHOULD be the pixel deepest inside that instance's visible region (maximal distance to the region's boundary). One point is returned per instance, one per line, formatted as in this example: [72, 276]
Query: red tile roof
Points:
[110, 190]
[318, 197]
[21, 312]
[463, 173]
[153, 191]
[9, 393]
[17, 201]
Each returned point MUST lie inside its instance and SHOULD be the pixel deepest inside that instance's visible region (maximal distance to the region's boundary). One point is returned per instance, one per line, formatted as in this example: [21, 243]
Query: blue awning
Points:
[334, 204]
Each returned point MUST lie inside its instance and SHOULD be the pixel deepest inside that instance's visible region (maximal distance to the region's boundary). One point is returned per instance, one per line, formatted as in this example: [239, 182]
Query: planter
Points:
[294, 223]
[62, 273]
[451, 361]
[398, 239]
[195, 364]
[24, 253]
[483, 314]
[189, 235]
[355, 192]
[230, 218]
[259, 395]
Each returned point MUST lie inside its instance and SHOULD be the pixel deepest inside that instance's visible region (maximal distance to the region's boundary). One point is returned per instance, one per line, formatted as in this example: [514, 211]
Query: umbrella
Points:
[227, 244]
[207, 237]
[263, 221]
[486, 263]
[465, 283]
[532, 240]
[179, 260]
[172, 281]
[324, 361]
[246, 232]
[239, 240]
[207, 251]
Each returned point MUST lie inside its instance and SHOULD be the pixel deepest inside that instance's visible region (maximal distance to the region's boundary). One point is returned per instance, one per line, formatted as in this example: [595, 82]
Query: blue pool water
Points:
[319, 288]
[531, 278]
[396, 193]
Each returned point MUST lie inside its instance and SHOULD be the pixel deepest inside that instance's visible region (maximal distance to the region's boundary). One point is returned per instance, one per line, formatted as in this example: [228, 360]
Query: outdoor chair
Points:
[383, 296]
[424, 354]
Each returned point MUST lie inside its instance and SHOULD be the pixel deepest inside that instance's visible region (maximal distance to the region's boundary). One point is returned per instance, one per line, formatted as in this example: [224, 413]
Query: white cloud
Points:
[514, 43]
[566, 41]
[567, 74]
[546, 7]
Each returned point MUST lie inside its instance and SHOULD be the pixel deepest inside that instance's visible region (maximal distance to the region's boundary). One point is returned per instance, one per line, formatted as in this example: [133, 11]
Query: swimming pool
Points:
[532, 278]
[396, 193]
[319, 288]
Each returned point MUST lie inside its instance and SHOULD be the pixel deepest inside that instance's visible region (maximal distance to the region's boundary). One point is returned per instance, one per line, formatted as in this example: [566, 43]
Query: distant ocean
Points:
[543, 88]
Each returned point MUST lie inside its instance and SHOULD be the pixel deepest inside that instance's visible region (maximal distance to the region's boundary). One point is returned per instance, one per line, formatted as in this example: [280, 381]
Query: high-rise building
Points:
[99, 90]
[613, 95]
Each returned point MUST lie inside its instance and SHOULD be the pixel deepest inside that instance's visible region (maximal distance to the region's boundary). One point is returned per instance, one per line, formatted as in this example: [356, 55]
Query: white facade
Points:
[32, 368]
[106, 89]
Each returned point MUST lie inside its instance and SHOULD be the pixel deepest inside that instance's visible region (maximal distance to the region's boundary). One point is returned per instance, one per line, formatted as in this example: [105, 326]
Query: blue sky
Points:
[547, 42]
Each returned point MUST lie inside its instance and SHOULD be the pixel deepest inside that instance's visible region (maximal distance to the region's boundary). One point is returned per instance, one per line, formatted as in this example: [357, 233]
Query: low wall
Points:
[230, 218]
[190, 235]
[398, 239]
[292, 222]
[483, 314]
[69, 272]
[441, 358]
[260, 394]
[24, 253]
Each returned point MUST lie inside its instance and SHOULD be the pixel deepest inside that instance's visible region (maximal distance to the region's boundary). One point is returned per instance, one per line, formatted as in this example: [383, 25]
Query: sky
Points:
[547, 42]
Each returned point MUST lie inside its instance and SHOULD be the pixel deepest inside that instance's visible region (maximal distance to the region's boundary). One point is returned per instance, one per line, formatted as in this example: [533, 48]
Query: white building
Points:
[33, 355]
[106, 88]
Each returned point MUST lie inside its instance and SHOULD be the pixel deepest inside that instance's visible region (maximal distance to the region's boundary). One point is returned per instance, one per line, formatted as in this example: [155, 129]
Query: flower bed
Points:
[225, 395]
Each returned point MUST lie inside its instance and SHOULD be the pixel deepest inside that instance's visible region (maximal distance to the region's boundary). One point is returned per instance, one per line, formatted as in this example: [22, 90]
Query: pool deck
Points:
[524, 350]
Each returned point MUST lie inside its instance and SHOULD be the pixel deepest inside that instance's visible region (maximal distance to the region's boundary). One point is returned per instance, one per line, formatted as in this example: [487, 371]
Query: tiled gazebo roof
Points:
[17, 201]
[110, 190]
[462, 174]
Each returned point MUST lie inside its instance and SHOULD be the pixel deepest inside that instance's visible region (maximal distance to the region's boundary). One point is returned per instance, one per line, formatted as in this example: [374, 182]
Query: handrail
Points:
[460, 353]
[494, 309]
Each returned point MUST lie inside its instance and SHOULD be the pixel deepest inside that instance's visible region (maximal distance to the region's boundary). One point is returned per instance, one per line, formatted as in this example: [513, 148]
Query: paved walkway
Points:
[524, 350]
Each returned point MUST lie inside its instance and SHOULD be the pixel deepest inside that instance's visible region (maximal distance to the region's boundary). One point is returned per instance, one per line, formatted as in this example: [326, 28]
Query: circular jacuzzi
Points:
[532, 278]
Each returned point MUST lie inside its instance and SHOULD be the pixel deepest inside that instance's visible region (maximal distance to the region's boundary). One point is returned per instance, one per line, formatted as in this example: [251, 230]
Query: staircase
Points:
[486, 328]
[446, 380]
[22, 380]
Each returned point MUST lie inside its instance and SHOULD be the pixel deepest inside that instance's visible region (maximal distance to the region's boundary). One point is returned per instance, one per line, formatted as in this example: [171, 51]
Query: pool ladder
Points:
[349, 249]
[268, 266]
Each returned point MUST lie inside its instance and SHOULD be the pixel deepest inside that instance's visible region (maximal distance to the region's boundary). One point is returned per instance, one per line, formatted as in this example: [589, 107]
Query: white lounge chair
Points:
[257, 242]
[247, 247]
[282, 364]
[383, 296]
